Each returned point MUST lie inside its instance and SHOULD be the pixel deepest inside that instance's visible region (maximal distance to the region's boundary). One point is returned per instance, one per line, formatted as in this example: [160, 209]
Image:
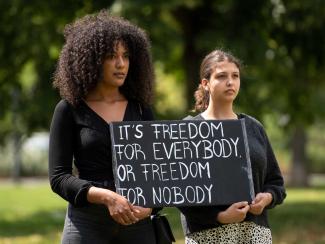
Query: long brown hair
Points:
[207, 67]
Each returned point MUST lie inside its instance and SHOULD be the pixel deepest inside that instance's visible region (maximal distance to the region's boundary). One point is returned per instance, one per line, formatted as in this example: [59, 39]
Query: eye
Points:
[110, 56]
[221, 76]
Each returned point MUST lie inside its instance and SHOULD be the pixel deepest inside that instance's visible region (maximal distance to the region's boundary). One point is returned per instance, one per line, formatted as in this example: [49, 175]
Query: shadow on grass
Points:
[42, 223]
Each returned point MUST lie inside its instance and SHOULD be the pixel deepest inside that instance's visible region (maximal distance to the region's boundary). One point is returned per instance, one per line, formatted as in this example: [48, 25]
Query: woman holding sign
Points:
[104, 74]
[241, 222]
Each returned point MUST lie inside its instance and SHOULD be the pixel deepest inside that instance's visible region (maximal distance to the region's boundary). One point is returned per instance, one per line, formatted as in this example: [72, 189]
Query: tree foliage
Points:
[281, 43]
[31, 38]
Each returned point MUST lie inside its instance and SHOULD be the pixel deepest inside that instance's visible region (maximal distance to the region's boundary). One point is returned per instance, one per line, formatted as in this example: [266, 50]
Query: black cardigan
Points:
[79, 135]
[266, 177]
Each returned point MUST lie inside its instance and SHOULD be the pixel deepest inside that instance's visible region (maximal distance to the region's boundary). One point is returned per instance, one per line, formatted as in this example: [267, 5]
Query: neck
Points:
[105, 94]
[219, 112]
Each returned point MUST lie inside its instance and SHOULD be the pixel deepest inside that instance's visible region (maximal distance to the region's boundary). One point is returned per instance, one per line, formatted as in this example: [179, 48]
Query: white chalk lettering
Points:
[129, 151]
[134, 195]
[172, 170]
[145, 171]
[125, 172]
[224, 142]
[175, 131]
[177, 195]
[180, 150]
[175, 171]
[182, 131]
[138, 134]
[235, 145]
[125, 132]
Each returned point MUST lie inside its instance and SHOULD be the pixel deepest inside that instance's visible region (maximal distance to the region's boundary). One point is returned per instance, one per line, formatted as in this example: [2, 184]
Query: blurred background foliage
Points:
[280, 42]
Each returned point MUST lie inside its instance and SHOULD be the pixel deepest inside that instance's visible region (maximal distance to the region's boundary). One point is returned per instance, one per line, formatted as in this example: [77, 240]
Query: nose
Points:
[229, 81]
[120, 62]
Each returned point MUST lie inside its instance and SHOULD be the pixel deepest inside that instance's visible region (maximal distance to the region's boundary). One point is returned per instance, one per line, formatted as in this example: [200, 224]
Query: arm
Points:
[77, 191]
[61, 146]
[273, 182]
[121, 210]
[273, 191]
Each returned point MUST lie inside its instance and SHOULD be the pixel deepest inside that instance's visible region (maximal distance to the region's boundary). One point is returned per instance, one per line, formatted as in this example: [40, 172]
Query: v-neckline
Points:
[100, 117]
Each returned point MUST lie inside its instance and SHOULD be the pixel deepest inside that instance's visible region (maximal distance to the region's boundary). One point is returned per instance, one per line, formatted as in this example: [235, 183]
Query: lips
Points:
[119, 75]
[230, 91]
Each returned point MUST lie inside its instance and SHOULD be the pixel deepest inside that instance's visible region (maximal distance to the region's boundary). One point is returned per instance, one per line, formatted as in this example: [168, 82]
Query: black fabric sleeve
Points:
[61, 146]
[273, 183]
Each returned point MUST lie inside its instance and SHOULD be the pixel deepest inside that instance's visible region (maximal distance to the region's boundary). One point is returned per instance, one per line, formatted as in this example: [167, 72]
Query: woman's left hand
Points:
[142, 212]
[261, 200]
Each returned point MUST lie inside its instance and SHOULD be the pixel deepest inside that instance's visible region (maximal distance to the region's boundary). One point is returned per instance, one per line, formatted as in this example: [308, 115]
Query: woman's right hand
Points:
[235, 213]
[121, 210]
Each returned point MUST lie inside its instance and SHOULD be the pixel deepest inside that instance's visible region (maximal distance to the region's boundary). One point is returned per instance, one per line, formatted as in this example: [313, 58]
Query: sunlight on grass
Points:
[303, 195]
[34, 239]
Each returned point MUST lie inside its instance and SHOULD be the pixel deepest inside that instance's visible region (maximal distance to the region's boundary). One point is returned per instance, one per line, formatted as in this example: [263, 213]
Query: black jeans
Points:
[93, 224]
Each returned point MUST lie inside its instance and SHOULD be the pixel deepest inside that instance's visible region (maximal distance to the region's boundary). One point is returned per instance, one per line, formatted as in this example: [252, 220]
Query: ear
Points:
[205, 84]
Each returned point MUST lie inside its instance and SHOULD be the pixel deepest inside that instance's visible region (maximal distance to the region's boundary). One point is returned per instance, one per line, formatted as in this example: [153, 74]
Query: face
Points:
[224, 82]
[116, 66]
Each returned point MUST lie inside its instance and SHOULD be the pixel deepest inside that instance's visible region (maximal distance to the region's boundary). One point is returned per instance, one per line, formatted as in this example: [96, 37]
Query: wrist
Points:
[150, 212]
[269, 198]
[220, 218]
[100, 196]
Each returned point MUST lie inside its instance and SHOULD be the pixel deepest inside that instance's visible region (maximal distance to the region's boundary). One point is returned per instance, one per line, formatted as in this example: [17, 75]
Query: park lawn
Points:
[33, 214]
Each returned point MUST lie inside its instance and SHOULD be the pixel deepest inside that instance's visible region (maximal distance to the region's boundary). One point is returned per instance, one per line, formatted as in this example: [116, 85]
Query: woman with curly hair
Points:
[104, 74]
[240, 222]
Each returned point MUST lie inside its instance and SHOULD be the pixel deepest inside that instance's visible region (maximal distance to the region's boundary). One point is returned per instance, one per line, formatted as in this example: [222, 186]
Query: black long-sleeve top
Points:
[79, 135]
[266, 178]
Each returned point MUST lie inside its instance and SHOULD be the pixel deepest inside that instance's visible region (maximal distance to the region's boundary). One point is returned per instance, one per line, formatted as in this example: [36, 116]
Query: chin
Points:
[117, 83]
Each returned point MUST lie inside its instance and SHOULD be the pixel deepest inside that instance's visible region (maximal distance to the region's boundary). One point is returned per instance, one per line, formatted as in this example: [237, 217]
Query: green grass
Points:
[30, 214]
[33, 214]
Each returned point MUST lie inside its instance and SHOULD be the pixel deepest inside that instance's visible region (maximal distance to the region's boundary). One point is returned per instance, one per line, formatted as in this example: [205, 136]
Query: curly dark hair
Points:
[87, 42]
[207, 67]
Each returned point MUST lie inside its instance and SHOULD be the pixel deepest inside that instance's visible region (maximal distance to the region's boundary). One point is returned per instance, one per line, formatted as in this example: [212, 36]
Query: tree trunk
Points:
[16, 157]
[16, 137]
[191, 61]
[299, 174]
[191, 58]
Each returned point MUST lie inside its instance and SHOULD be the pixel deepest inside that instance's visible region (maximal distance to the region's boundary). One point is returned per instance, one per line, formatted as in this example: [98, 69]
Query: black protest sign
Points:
[182, 163]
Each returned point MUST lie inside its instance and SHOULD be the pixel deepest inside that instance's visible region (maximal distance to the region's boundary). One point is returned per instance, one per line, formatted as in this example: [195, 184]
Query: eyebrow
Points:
[115, 52]
[225, 72]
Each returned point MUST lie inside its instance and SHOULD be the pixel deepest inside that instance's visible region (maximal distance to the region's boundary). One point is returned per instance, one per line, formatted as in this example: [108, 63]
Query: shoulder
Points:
[63, 107]
[251, 120]
[253, 125]
[196, 117]
[188, 117]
